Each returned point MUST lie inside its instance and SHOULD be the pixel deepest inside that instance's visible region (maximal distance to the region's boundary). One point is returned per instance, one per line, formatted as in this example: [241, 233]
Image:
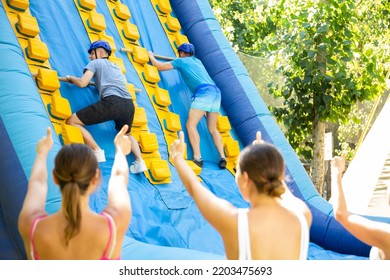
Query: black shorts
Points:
[110, 108]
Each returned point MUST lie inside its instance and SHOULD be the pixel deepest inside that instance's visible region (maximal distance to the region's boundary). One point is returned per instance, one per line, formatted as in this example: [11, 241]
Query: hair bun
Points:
[274, 187]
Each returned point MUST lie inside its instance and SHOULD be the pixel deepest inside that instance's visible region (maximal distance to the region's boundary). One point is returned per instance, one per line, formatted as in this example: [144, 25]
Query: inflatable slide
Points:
[42, 41]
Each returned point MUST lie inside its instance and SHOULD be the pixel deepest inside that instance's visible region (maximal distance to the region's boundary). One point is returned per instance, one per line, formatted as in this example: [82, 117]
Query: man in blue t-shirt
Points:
[115, 102]
[206, 98]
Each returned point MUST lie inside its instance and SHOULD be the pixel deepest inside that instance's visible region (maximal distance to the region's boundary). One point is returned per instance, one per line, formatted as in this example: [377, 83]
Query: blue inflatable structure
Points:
[166, 223]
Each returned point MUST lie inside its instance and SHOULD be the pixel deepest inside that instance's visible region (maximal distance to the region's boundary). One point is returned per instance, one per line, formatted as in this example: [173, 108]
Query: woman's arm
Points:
[338, 198]
[217, 212]
[368, 231]
[35, 200]
[119, 206]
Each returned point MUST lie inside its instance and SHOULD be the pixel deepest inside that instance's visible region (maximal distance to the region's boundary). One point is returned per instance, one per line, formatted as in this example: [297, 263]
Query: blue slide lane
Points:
[166, 224]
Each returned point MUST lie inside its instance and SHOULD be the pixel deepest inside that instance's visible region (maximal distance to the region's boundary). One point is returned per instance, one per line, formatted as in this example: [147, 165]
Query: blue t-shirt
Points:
[192, 71]
[108, 78]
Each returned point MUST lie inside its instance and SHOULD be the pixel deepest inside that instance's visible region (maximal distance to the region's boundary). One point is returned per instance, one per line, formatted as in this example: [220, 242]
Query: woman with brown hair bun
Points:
[274, 227]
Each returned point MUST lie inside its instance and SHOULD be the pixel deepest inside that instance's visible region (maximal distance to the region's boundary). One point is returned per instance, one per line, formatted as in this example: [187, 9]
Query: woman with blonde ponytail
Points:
[75, 231]
[274, 227]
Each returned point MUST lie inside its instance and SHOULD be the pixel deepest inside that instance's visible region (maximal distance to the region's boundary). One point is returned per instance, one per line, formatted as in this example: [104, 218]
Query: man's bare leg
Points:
[88, 139]
[194, 117]
[212, 118]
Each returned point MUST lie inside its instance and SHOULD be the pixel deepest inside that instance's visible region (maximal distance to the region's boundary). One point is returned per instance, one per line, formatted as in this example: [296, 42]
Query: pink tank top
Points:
[112, 239]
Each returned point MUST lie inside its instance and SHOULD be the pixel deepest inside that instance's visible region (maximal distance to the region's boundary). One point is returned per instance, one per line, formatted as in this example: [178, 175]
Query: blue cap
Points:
[187, 48]
[100, 44]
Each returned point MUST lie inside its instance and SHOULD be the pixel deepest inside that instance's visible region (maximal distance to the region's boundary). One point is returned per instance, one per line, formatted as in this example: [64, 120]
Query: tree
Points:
[329, 52]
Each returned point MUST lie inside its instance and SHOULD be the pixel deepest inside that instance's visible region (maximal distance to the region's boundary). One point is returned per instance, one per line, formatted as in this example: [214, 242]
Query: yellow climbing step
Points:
[36, 54]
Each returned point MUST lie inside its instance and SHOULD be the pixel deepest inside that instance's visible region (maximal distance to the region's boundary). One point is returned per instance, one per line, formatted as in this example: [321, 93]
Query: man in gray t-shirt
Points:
[115, 102]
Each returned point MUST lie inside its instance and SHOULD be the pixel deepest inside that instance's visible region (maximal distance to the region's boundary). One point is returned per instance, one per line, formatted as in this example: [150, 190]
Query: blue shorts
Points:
[206, 98]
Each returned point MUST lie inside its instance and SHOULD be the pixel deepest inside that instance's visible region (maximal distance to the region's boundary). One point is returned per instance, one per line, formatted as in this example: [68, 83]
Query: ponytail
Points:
[72, 212]
[74, 168]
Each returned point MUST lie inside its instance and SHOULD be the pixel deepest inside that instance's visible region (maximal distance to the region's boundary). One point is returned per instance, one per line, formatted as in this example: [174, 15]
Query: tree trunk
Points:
[317, 163]
[328, 181]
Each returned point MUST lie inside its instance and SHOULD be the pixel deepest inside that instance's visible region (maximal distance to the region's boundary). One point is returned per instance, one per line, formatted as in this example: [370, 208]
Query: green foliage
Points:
[332, 54]
[244, 23]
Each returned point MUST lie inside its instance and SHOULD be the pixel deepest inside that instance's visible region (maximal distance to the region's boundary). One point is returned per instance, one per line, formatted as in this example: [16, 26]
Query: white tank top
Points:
[244, 245]
[375, 254]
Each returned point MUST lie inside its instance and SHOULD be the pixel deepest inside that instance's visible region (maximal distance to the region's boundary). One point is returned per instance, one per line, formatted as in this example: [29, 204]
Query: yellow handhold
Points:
[172, 24]
[37, 50]
[163, 6]
[232, 148]
[96, 21]
[87, 4]
[140, 55]
[139, 117]
[57, 128]
[159, 170]
[180, 39]
[223, 124]
[121, 11]
[161, 97]
[131, 90]
[130, 31]
[71, 134]
[27, 25]
[148, 142]
[60, 107]
[20, 5]
[47, 79]
[119, 62]
[172, 122]
[151, 74]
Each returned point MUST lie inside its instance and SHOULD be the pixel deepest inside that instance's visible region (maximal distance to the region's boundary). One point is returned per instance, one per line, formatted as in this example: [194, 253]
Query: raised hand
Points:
[338, 163]
[45, 143]
[122, 141]
[178, 146]
[258, 139]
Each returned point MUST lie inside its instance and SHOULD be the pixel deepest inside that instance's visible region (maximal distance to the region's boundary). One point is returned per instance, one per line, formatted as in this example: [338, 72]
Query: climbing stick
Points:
[155, 55]
[64, 79]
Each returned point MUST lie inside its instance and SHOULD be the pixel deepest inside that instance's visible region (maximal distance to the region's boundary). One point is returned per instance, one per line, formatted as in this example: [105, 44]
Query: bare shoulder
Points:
[26, 220]
[121, 219]
[297, 206]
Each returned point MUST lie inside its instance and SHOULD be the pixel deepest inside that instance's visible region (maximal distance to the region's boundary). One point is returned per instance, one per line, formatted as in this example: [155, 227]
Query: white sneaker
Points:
[138, 167]
[100, 155]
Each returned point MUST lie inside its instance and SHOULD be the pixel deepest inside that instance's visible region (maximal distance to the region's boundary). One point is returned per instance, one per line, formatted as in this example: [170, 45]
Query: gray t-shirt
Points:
[108, 78]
